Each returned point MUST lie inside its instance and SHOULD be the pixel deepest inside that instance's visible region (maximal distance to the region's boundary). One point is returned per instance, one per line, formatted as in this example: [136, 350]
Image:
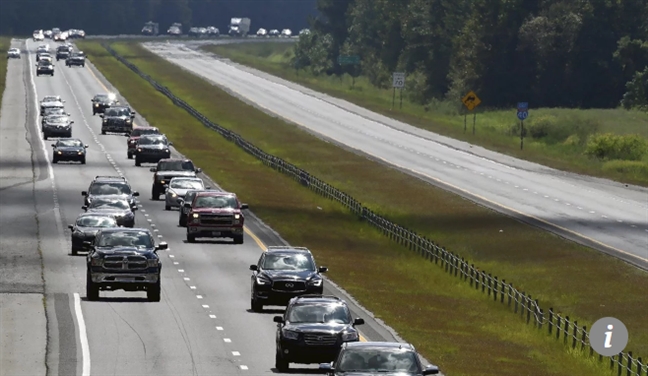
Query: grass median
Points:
[555, 137]
[5, 44]
[442, 316]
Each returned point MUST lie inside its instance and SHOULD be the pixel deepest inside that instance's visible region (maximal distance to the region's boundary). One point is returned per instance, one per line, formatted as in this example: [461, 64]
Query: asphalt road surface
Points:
[202, 325]
[606, 215]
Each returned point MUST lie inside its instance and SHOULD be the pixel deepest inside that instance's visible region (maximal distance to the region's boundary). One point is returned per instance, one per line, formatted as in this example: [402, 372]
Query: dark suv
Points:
[102, 101]
[110, 186]
[117, 119]
[313, 329]
[170, 168]
[138, 132]
[282, 273]
[63, 52]
[124, 259]
[151, 148]
[371, 358]
[76, 59]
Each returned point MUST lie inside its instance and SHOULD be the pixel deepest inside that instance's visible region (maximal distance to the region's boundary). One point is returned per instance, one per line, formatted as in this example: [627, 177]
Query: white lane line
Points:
[244, 367]
[579, 208]
[236, 353]
[205, 306]
[83, 336]
[604, 216]
[592, 212]
[180, 270]
[152, 224]
[633, 226]
[149, 220]
[199, 296]
[187, 278]
[172, 256]
[159, 236]
[175, 263]
[219, 328]
[227, 340]
[212, 316]
[192, 287]
[155, 230]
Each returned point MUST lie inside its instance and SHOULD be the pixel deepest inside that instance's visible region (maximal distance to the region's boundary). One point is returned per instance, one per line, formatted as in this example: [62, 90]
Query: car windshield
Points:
[153, 141]
[288, 262]
[319, 313]
[96, 222]
[54, 111]
[139, 131]
[110, 189]
[57, 119]
[43, 62]
[70, 143]
[51, 98]
[176, 166]
[186, 184]
[216, 202]
[378, 360]
[101, 97]
[77, 54]
[117, 112]
[100, 203]
[126, 238]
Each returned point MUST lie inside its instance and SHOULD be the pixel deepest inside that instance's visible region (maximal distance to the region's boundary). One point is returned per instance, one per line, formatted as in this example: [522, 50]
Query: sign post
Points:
[522, 113]
[398, 82]
[349, 60]
[470, 100]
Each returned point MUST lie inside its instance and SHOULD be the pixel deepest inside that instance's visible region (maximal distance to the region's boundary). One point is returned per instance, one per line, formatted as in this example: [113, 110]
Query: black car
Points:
[44, 67]
[184, 209]
[52, 111]
[313, 329]
[110, 186]
[63, 52]
[102, 101]
[57, 126]
[117, 119]
[85, 229]
[124, 259]
[117, 206]
[170, 168]
[282, 273]
[76, 59]
[69, 149]
[383, 358]
[151, 148]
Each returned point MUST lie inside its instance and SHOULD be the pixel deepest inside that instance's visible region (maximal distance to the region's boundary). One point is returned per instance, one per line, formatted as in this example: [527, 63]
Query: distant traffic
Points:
[239, 27]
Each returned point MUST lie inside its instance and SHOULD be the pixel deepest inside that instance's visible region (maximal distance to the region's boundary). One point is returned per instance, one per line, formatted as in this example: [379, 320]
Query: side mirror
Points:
[135, 194]
[187, 204]
[322, 269]
[53, 145]
[127, 135]
[84, 207]
[71, 121]
[328, 367]
[152, 169]
[85, 146]
[166, 186]
[162, 245]
[134, 208]
[431, 370]
[170, 143]
[278, 319]
[208, 187]
[358, 321]
[101, 115]
[244, 206]
[254, 267]
[198, 170]
[68, 114]
[133, 113]
[84, 193]
[71, 227]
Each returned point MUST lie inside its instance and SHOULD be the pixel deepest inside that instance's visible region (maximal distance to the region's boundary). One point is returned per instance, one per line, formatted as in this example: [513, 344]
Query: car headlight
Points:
[128, 120]
[262, 280]
[237, 216]
[195, 215]
[140, 150]
[162, 182]
[80, 153]
[315, 282]
[166, 151]
[96, 104]
[59, 153]
[153, 263]
[289, 334]
[350, 336]
[96, 261]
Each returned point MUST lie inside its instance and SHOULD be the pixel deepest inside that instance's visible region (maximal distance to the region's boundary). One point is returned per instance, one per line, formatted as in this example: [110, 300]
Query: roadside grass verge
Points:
[5, 44]
[559, 135]
[441, 315]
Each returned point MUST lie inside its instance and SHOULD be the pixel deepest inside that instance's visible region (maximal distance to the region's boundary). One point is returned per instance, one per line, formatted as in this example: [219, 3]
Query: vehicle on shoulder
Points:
[63, 52]
[167, 169]
[44, 67]
[152, 148]
[178, 188]
[117, 119]
[135, 135]
[123, 259]
[117, 206]
[13, 53]
[216, 214]
[103, 185]
[313, 329]
[85, 228]
[384, 358]
[102, 101]
[57, 126]
[185, 205]
[76, 59]
[69, 149]
[282, 273]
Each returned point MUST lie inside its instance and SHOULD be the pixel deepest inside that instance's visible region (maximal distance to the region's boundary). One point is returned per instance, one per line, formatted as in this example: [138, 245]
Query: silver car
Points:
[177, 189]
[13, 53]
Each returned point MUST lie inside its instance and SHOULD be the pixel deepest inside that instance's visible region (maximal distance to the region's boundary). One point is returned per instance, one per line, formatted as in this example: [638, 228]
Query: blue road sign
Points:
[523, 106]
[522, 114]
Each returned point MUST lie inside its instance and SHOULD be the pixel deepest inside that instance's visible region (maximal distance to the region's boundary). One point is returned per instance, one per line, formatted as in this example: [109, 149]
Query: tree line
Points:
[550, 53]
[112, 17]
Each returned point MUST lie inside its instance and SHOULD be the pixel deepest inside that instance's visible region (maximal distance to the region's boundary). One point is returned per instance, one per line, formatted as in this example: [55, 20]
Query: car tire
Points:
[83, 161]
[137, 162]
[45, 137]
[167, 207]
[74, 251]
[153, 292]
[281, 364]
[103, 132]
[155, 195]
[238, 239]
[54, 160]
[255, 305]
[130, 156]
[191, 238]
[182, 223]
[92, 289]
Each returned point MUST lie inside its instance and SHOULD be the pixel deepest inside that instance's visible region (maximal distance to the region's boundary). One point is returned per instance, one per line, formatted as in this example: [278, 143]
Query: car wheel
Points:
[155, 195]
[130, 156]
[103, 132]
[167, 207]
[45, 137]
[281, 364]
[54, 160]
[153, 292]
[238, 239]
[255, 305]
[191, 238]
[92, 289]
[83, 161]
[137, 162]
[182, 222]
[74, 251]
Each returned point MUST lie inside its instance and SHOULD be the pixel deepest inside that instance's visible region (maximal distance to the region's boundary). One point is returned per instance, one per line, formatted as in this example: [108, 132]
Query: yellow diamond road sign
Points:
[471, 100]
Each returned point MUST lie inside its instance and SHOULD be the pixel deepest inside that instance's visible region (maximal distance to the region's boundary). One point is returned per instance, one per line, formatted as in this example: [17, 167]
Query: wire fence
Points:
[555, 324]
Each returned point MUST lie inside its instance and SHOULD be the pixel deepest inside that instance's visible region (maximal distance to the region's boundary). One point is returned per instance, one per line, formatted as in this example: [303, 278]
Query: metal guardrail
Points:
[520, 303]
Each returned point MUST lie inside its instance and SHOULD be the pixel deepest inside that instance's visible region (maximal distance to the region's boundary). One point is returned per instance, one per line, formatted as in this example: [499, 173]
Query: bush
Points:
[543, 126]
[554, 130]
[609, 147]
[634, 168]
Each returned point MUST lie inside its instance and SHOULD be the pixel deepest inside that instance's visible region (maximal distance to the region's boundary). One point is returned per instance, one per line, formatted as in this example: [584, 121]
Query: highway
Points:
[202, 326]
[606, 215]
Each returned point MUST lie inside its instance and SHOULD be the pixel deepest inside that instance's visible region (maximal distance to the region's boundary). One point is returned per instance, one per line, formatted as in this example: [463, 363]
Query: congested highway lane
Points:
[602, 214]
[202, 325]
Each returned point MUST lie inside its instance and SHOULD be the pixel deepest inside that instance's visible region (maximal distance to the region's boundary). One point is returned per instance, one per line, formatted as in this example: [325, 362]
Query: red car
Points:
[215, 214]
[135, 135]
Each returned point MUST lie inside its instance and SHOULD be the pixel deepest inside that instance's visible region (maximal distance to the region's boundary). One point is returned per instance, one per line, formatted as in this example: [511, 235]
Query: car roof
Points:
[146, 127]
[375, 345]
[209, 192]
[128, 229]
[153, 136]
[69, 139]
[186, 178]
[175, 160]
[109, 178]
[287, 250]
[317, 299]
[111, 197]
[94, 214]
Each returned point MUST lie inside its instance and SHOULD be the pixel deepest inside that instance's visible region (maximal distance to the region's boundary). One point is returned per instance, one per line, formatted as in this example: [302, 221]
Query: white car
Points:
[262, 32]
[13, 53]
[274, 33]
[286, 33]
[304, 32]
[38, 35]
[177, 189]
[44, 47]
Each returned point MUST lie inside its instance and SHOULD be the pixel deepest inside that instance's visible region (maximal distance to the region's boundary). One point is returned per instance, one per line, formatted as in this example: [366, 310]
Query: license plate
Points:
[215, 233]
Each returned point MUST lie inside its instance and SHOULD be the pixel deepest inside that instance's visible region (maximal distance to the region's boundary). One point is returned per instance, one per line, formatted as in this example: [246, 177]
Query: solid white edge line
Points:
[83, 336]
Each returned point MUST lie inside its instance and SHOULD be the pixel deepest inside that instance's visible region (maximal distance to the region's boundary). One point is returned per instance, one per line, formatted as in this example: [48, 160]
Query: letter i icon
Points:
[608, 337]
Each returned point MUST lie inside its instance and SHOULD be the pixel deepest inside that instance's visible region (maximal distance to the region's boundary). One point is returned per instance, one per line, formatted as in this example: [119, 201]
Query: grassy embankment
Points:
[5, 44]
[560, 134]
[442, 316]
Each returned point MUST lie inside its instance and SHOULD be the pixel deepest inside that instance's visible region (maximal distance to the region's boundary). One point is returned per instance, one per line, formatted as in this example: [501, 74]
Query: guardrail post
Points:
[495, 288]
[640, 367]
[529, 308]
[510, 293]
[558, 322]
[575, 334]
[583, 334]
[503, 286]
[541, 318]
[566, 330]
[629, 363]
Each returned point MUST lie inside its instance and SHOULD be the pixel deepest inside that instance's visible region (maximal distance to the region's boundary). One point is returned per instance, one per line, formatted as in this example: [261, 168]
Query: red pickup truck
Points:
[135, 134]
[215, 214]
